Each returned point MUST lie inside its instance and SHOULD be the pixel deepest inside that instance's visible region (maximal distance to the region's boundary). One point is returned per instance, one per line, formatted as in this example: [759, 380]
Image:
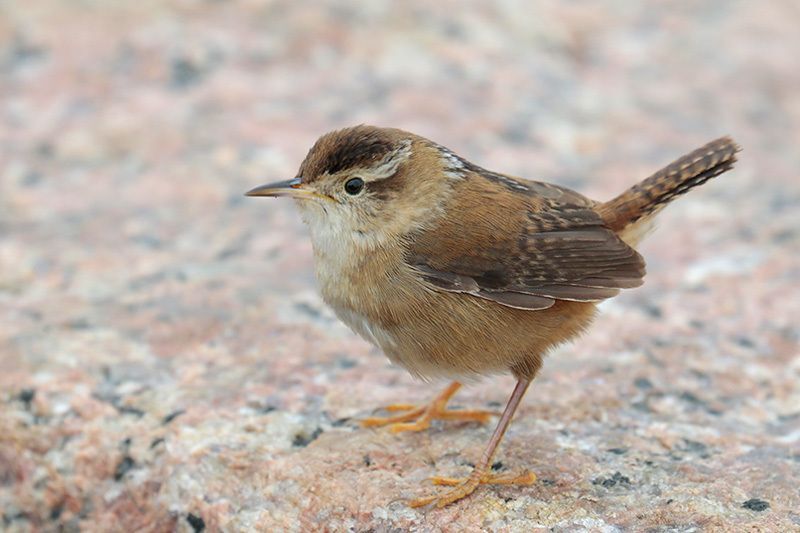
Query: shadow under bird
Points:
[456, 271]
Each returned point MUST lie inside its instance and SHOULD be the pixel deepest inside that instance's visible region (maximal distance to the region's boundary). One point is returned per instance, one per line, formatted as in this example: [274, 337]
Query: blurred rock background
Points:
[166, 364]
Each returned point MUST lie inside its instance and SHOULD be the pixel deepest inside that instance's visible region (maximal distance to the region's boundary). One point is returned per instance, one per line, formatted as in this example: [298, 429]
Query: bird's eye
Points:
[353, 186]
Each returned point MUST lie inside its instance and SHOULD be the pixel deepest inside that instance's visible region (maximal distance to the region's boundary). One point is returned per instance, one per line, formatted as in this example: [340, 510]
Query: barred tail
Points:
[637, 205]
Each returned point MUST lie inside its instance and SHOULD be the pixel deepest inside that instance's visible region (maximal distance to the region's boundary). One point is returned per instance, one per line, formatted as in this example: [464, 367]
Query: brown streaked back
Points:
[521, 249]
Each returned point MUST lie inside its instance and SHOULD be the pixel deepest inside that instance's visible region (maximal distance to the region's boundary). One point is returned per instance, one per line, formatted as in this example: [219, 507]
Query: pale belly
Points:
[367, 330]
[435, 334]
[429, 346]
[457, 336]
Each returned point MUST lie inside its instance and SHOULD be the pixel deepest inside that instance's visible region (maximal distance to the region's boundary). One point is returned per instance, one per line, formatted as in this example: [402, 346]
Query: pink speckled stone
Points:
[166, 363]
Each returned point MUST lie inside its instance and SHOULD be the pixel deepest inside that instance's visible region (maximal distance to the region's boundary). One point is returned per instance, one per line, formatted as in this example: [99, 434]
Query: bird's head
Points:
[368, 183]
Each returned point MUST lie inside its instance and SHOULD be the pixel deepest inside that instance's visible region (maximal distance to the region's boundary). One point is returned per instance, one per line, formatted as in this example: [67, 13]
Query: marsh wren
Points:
[459, 272]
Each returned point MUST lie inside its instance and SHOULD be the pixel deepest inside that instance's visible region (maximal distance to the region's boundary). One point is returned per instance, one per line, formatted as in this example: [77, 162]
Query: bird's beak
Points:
[293, 187]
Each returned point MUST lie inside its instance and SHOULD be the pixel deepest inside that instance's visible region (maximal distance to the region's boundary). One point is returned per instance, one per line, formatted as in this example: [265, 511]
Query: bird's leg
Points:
[419, 418]
[481, 473]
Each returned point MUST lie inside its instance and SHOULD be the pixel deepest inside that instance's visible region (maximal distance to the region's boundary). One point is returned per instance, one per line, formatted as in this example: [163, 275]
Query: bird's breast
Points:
[365, 285]
[363, 289]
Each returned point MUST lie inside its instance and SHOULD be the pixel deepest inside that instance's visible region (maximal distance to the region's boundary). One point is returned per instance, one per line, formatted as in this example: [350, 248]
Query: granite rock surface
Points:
[167, 365]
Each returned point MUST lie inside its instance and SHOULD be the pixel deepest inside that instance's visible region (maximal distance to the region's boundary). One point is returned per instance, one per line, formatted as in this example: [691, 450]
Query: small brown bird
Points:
[456, 271]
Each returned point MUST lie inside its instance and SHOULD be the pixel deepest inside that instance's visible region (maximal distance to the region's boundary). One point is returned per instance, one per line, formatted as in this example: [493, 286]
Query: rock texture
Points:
[165, 362]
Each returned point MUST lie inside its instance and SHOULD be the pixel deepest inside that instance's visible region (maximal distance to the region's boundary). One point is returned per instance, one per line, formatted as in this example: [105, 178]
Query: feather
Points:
[552, 247]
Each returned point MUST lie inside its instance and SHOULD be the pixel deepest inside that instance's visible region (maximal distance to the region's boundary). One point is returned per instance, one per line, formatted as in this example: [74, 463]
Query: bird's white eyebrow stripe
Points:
[387, 167]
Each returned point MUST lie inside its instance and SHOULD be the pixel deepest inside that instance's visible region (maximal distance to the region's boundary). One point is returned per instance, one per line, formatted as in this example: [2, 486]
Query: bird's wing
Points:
[524, 250]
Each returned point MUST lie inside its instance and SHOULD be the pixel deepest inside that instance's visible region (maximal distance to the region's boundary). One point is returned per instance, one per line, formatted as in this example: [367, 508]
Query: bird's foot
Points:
[463, 487]
[419, 418]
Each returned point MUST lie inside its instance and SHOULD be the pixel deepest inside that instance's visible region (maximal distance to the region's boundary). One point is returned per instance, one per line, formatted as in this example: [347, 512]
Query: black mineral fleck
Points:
[754, 504]
[197, 523]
